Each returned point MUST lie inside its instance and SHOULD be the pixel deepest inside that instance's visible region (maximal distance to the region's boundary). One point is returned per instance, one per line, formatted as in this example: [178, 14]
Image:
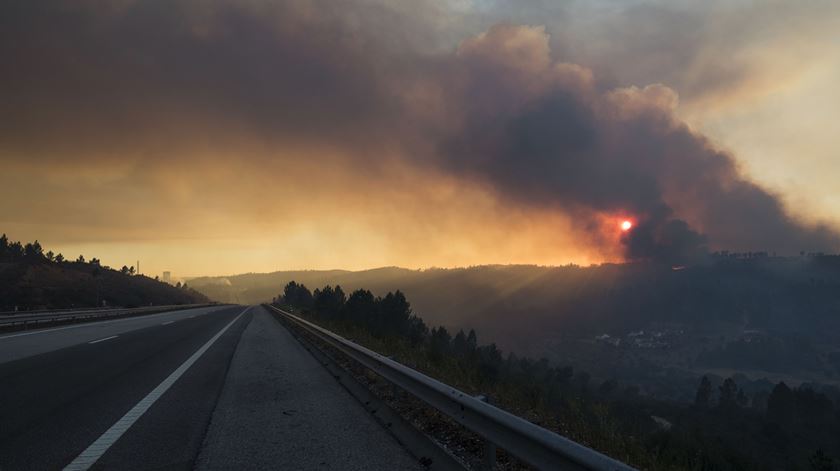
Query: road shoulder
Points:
[280, 409]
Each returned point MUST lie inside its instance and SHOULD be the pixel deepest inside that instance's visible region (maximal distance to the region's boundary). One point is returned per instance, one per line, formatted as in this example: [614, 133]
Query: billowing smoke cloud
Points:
[159, 80]
[541, 131]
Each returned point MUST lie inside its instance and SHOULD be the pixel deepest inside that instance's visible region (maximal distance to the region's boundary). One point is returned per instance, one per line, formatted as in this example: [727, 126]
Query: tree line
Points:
[33, 253]
[783, 405]
[391, 317]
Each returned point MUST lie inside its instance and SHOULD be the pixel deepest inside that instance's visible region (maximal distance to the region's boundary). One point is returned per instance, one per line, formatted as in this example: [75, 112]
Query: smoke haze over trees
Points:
[767, 318]
[792, 293]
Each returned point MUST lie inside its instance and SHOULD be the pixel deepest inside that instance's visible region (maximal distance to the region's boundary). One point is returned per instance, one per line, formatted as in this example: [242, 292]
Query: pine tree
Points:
[704, 393]
[728, 394]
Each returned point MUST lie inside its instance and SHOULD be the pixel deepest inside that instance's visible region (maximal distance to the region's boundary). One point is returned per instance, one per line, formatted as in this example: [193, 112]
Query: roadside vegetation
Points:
[723, 429]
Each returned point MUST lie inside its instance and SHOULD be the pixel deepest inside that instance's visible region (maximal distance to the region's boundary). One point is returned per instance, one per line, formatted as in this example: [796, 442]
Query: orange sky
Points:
[300, 136]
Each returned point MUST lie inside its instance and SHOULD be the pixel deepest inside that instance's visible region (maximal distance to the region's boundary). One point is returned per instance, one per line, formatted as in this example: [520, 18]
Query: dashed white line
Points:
[98, 448]
[102, 340]
[167, 322]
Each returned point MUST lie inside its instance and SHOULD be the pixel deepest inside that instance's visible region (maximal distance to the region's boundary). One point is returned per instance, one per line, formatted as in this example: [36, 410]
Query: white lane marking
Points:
[92, 324]
[167, 322]
[98, 448]
[102, 340]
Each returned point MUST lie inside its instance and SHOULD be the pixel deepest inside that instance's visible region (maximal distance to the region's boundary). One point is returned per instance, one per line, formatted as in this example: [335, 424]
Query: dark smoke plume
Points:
[88, 80]
[542, 132]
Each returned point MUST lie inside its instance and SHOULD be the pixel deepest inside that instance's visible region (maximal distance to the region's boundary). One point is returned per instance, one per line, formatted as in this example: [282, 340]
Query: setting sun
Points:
[626, 225]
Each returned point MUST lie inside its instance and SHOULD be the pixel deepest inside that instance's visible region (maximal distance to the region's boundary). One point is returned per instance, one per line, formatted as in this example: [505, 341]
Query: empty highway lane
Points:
[15, 345]
[208, 388]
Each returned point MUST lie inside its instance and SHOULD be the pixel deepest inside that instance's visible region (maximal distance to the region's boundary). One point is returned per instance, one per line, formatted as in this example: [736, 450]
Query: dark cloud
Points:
[100, 78]
[155, 78]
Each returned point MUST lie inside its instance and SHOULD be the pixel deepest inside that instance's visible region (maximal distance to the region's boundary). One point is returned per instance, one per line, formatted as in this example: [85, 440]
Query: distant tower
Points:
[138, 267]
[167, 277]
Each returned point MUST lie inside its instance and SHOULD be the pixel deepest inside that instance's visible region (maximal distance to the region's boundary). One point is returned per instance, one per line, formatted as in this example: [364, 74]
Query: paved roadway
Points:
[207, 388]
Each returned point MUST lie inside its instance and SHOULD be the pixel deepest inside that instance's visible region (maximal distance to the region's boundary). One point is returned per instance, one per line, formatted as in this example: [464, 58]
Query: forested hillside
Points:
[33, 279]
[792, 293]
[745, 311]
[724, 427]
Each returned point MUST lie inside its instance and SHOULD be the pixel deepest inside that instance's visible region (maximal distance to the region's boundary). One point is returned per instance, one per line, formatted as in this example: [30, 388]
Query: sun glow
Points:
[626, 225]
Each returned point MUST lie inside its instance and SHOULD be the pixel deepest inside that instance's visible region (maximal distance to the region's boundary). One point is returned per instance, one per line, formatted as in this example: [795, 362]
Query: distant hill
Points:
[254, 288]
[30, 279]
[529, 308]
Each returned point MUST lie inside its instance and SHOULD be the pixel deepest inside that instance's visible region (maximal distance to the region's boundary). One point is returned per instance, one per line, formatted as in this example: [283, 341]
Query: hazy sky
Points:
[217, 137]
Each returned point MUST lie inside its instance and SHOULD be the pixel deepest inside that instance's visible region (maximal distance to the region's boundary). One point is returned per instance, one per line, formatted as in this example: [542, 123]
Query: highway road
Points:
[208, 388]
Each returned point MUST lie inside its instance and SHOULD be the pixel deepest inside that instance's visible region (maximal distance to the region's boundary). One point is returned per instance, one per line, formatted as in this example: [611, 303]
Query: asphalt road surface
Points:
[207, 388]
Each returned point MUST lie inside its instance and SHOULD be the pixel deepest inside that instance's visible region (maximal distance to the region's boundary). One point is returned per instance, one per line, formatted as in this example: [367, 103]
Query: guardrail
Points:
[26, 319]
[534, 445]
[42, 311]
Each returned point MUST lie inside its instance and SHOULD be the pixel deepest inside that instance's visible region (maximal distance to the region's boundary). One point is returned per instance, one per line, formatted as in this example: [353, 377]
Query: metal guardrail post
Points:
[395, 390]
[489, 459]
